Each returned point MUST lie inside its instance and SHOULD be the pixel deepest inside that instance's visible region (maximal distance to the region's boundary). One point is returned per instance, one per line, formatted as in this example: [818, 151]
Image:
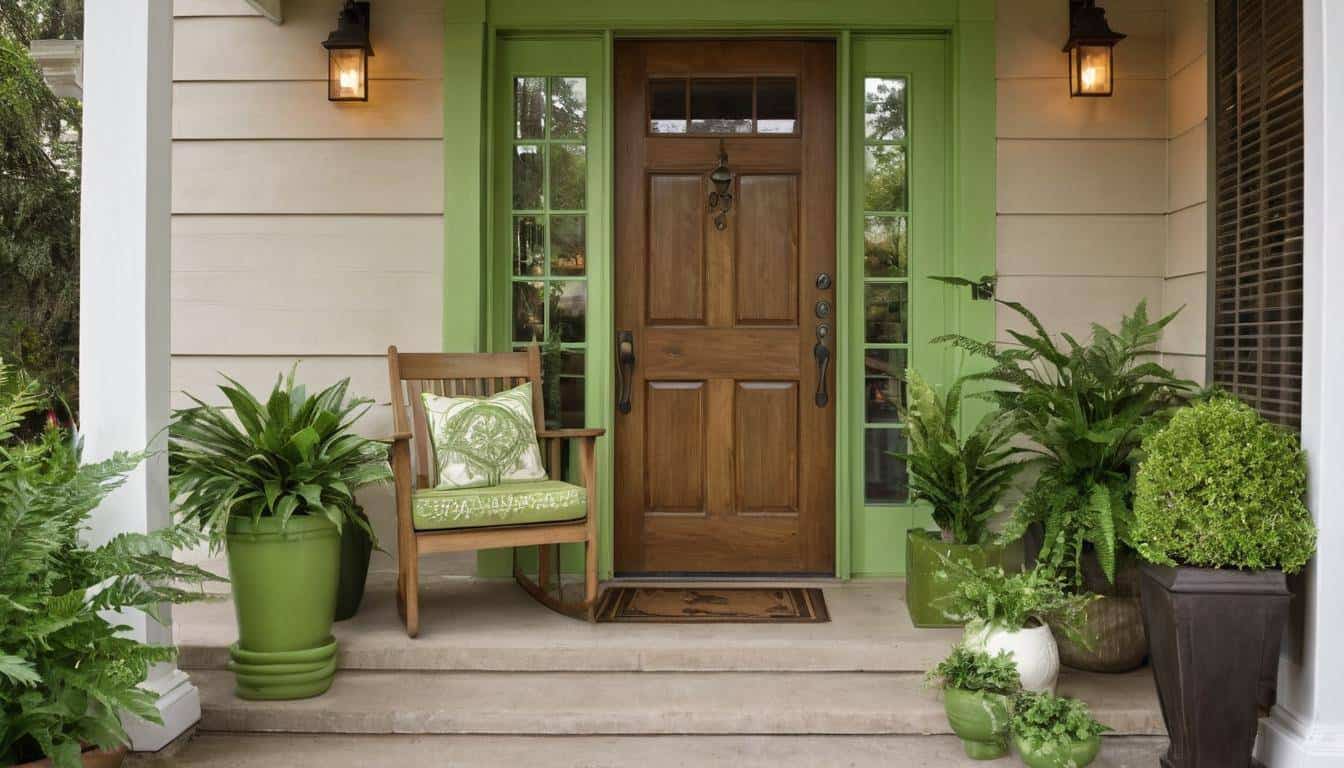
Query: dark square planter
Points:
[1214, 642]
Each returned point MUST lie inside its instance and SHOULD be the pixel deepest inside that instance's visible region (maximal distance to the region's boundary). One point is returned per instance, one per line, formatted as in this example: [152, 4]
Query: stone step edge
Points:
[641, 704]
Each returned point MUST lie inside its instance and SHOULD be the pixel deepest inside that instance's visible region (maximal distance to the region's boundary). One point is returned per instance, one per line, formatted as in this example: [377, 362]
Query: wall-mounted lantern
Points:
[348, 52]
[1090, 50]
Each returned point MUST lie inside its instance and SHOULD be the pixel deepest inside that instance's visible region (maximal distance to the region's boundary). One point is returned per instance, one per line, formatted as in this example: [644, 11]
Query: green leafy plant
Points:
[1220, 487]
[1043, 719]
[66, 672]
[294, 455]
[962, 478]
[1086, 409]
[990, 598]
[972, 670]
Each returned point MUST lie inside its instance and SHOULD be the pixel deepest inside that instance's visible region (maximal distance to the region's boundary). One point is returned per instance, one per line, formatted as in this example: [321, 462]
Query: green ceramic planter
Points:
[924, 589]
[356, 548]
[1071, 754]
[284, 595]
[980, 720]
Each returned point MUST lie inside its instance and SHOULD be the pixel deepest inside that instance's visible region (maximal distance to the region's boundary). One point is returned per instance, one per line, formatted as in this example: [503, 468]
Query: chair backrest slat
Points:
[456, 375]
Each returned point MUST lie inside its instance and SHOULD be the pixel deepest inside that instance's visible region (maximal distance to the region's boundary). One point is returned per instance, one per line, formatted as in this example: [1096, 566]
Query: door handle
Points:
[625, 369]
[823, 357]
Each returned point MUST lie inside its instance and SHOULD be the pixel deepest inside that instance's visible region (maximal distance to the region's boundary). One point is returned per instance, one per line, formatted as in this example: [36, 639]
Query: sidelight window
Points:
[549, 242]
[886, 286]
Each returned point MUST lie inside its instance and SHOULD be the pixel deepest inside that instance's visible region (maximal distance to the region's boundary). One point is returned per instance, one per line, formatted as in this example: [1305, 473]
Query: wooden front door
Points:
[725, 426]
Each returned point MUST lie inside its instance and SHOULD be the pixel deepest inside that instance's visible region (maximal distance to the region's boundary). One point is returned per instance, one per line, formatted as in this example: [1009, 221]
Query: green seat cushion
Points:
[547, 501]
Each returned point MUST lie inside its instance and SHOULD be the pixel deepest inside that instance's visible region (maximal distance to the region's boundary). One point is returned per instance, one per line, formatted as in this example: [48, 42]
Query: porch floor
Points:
[494, 675]
[472, 625]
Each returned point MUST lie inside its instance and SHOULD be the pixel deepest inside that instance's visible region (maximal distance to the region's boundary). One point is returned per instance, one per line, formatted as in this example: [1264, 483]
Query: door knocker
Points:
[721, 197]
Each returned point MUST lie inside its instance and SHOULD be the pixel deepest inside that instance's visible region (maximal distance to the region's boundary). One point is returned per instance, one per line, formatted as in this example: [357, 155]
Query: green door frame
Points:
[472, 290]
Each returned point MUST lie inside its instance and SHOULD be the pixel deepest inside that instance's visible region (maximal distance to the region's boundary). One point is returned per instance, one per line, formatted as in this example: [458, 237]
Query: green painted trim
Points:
[878, 530]
[564, 56]
[717, 15]
[465, 124]
[847, 411]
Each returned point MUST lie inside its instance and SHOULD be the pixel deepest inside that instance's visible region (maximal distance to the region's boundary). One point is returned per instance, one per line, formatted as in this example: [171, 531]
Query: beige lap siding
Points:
[1084, 188]
[305, 230]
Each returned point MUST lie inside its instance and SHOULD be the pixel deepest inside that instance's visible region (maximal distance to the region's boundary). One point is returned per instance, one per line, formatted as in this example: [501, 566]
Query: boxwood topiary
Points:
[1220, 487]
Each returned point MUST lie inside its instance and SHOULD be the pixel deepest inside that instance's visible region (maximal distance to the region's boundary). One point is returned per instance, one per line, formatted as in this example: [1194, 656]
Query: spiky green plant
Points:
[66, 672]
[1086, 409]
[962, 478]
[294, 455]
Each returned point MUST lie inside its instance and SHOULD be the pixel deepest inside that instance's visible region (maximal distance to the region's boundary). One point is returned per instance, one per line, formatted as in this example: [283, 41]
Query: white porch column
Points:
[1306, 729]
[124, 290]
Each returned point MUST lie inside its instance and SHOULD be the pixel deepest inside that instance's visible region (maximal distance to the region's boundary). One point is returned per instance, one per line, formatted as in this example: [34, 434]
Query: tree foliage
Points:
[66, 672]
[39, 203]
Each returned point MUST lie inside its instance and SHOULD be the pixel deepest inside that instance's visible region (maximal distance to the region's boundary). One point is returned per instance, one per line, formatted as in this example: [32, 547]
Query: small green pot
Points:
[356, 549]
[924, 588]
[1053, 754]
[284, 583]
[980, 720]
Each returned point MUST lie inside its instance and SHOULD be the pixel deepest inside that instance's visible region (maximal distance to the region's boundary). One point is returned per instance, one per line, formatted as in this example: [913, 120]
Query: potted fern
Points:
[962, 479]
[977, 697]
[68, 675]
[1018, 614]
[1220, 519]
[1055, 732]
[1086, 409]
[275, 483]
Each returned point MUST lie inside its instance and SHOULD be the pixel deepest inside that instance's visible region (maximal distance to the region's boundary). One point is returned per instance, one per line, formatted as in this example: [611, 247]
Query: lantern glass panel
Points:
[347, 75]
[1090, 70]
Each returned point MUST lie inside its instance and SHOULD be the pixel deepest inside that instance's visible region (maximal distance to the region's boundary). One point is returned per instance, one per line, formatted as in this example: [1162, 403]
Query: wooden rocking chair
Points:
[482, 375]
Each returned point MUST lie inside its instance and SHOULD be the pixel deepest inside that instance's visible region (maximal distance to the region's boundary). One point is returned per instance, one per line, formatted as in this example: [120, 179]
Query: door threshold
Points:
[721, 579]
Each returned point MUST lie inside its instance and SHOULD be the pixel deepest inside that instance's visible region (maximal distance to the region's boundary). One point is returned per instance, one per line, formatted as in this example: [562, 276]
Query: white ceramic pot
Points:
[1033, 649]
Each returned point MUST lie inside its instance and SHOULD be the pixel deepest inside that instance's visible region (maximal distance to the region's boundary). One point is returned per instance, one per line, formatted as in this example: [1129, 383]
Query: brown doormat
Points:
[727, 605]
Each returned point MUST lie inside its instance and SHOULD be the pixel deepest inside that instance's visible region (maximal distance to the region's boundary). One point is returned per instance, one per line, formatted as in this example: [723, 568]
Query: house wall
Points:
[1185, 280]
[309, 230]
[305, 230]
[1101, 201]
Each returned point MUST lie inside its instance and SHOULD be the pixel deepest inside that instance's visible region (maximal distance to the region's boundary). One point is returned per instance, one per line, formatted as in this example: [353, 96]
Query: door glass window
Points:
[549, 292]
[886, 286]
[723, 105]
[776, 105]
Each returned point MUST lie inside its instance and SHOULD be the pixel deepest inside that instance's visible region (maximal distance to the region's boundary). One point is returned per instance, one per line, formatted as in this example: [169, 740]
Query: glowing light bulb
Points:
[349, 79]
[1089, 78]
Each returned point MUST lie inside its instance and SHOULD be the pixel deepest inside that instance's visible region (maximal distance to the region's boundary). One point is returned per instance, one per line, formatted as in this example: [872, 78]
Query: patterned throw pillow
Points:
[480, 442]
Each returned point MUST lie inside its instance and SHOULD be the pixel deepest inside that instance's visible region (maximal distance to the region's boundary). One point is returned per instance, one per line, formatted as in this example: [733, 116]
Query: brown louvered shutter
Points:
[1258, 194]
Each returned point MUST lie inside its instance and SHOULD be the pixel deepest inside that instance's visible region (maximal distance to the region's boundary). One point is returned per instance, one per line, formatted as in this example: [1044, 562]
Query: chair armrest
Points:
[569, 433]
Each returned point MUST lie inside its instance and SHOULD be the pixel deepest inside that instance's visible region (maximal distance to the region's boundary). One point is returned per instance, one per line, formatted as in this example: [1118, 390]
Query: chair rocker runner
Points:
[536, 518]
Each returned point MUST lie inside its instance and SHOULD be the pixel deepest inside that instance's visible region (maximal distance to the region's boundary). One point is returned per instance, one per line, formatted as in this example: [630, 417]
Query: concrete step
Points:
[638, 703]
[471, 625]
[266, 751]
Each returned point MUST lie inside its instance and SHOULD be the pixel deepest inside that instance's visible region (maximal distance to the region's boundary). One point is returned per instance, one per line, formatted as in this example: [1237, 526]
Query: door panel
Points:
[676, 249]
[767, 250]
[725, 461]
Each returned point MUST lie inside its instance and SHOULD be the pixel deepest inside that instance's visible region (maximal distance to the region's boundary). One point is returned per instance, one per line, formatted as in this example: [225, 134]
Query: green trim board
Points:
[900, 235]
[870, 539]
